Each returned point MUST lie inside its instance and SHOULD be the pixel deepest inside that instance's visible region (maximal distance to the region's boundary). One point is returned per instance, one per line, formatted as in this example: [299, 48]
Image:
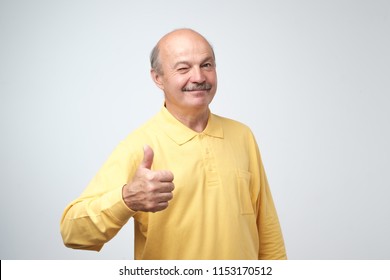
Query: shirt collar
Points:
[181, 134]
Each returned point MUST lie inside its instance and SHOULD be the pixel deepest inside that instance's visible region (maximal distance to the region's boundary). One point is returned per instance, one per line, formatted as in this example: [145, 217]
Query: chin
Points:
[200, 104]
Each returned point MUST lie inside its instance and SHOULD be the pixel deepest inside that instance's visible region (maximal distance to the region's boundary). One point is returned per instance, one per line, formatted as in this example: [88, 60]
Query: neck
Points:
[195, 120]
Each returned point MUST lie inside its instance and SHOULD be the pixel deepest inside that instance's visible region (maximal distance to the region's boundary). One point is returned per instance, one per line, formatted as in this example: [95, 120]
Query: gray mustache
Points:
[197, 87]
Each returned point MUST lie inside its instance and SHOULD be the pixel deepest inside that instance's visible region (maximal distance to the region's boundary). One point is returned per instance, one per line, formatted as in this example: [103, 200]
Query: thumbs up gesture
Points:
[149, 190]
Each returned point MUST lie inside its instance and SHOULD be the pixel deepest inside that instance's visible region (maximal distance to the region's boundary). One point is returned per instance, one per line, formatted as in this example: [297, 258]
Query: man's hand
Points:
[149, 190]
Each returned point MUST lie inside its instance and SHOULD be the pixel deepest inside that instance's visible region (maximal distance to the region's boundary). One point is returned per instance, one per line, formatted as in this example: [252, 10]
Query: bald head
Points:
[171, 41]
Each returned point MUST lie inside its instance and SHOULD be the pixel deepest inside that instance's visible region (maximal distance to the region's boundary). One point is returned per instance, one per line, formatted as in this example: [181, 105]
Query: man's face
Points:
[189, 78]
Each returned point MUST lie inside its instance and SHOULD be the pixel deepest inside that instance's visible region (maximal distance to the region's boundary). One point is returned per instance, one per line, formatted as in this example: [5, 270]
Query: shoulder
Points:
[136, 139]
[132, 144]
[232, 125]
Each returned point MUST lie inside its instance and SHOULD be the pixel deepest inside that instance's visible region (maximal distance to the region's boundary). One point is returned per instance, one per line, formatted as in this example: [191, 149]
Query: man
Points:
[193, 181]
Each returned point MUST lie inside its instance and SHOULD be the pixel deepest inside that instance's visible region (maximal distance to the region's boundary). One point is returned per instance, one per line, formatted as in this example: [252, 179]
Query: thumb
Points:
[148, 157]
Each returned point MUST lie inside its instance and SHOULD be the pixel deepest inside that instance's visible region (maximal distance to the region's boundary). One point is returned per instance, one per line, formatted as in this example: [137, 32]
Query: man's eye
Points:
[207, 65]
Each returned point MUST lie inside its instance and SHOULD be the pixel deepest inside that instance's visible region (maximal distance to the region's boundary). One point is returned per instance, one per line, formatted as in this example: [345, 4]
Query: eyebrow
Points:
[180, 62]
[209, 58]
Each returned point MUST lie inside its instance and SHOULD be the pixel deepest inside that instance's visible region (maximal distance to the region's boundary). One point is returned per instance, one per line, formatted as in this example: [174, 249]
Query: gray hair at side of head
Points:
[155, 62]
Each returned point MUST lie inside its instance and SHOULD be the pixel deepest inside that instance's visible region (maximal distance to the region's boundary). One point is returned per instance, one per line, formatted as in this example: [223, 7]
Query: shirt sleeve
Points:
[100, 212]
[271, 242]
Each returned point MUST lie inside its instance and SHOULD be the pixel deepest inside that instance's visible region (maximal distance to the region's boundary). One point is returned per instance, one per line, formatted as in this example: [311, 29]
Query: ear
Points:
[157, 79]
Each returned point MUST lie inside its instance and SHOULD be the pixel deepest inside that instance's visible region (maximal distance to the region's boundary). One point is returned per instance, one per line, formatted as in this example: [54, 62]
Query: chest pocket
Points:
[244, 193]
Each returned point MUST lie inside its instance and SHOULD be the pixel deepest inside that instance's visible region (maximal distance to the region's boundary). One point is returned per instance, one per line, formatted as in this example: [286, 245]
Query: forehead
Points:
[184, 46]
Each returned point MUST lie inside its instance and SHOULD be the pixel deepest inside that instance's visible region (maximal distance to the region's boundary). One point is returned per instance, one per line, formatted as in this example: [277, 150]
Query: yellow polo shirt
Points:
[222, 206]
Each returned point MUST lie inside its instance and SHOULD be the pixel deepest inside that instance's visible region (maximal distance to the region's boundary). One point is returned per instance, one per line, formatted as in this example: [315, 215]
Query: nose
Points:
[197, 75]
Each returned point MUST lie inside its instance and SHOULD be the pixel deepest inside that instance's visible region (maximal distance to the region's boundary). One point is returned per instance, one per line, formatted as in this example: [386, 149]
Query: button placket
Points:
[212, 177]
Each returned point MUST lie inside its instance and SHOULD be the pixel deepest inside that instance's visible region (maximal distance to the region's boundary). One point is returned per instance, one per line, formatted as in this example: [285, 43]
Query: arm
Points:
[104, 208]
[100, 212]
[271, 242]
[88, 223]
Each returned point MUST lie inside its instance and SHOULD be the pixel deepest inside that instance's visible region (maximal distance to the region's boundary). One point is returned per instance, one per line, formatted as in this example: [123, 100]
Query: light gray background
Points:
[311, 78]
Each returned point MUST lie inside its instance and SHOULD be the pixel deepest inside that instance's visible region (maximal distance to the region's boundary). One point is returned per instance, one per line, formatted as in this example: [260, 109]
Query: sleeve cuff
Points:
[118, 207]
